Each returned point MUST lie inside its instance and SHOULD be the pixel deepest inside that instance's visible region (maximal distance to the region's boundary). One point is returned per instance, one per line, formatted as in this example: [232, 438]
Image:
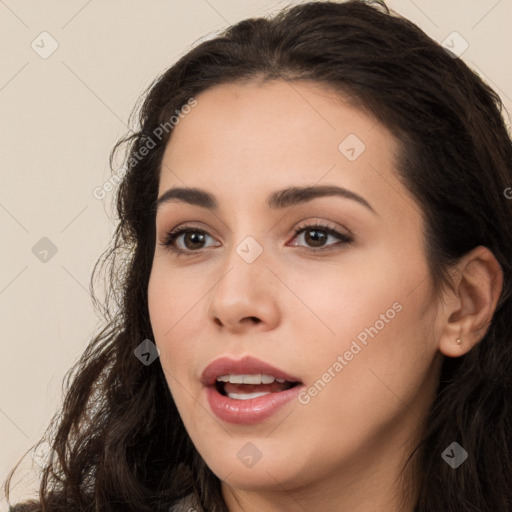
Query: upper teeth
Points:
[249, 379]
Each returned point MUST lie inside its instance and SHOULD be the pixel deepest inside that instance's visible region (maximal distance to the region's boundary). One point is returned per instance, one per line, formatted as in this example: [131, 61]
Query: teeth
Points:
[249, 379]
[247, 396]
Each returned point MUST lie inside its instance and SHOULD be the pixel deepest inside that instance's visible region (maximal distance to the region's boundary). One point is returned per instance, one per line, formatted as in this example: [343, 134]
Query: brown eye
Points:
[192, 240]
[316, 236]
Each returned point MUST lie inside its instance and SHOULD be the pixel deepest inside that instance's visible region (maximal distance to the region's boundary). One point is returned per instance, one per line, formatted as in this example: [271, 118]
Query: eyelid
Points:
[326, 225]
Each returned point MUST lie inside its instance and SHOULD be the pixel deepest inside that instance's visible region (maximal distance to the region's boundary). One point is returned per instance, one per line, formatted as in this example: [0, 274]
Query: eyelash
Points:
[171, 237]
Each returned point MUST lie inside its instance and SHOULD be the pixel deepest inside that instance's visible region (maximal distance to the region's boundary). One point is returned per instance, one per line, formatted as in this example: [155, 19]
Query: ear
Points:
[467, 310]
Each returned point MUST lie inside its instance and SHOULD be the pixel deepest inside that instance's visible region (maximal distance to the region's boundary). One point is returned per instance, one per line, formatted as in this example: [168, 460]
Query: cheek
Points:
[379, 360]
[376, 335]
[171, 306]
[171, 299]
[337, 303]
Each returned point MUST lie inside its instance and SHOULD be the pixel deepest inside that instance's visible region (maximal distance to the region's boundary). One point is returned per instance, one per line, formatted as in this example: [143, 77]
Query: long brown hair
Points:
[119, 444]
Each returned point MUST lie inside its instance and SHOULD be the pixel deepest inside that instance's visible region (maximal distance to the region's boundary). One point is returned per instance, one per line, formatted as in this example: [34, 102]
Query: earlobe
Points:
[478, 283]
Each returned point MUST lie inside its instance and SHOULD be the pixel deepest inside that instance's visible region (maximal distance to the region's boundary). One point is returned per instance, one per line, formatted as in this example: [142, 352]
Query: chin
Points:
[268, 473]
[267, 477]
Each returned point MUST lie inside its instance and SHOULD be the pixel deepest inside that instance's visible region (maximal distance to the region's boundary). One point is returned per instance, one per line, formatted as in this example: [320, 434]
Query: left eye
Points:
[318, 235]
[315, 234]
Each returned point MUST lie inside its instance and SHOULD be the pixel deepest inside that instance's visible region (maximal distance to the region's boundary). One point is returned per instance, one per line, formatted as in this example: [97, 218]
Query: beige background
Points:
[61, 115]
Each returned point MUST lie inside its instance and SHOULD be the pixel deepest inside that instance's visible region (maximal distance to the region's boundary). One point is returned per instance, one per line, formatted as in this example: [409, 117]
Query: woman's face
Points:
[347, 320]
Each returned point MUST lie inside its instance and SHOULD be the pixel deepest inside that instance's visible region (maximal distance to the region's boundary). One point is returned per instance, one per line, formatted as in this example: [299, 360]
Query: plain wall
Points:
[59, 118]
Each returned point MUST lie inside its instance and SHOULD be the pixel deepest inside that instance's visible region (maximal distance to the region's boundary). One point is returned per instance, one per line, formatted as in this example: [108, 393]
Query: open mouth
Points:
[248, 390]
[246, 387]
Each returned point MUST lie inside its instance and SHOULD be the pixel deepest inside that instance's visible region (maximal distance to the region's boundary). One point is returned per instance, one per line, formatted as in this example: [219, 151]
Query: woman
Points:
[315, 305]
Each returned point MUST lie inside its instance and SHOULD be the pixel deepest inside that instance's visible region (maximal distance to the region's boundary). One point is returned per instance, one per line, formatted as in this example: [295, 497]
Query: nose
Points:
[245, 297]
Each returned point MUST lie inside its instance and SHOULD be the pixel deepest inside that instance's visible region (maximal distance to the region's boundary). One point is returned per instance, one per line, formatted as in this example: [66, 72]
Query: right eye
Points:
[197, 237]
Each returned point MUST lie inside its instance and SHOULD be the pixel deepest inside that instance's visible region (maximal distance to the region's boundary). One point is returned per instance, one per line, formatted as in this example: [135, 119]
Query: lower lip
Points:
[253, 410]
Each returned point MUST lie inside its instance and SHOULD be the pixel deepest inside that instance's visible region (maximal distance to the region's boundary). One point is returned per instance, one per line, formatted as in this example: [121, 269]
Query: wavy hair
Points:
[118, 443]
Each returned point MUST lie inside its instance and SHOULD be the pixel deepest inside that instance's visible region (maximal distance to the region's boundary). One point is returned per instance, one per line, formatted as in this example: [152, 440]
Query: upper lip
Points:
[246, 366]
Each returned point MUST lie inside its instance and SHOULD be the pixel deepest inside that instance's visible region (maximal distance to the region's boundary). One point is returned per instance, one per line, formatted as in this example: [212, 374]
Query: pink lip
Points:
[246, 365]
[245, 411]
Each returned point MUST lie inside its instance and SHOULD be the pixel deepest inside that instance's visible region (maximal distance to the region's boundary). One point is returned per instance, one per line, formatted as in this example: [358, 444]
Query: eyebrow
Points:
[276, 200]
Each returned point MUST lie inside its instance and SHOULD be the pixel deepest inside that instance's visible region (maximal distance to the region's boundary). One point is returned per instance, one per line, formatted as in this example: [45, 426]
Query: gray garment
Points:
[185, 505]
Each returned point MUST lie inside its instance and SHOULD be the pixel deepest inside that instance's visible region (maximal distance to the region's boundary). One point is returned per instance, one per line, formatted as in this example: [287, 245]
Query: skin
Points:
[300, 310]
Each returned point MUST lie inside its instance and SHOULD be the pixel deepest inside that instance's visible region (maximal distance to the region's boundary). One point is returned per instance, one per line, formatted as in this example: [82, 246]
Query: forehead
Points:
[273, 113]
[253, 136]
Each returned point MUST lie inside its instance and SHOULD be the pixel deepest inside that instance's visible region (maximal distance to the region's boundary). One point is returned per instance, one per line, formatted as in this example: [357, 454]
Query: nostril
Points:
[253, 319]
